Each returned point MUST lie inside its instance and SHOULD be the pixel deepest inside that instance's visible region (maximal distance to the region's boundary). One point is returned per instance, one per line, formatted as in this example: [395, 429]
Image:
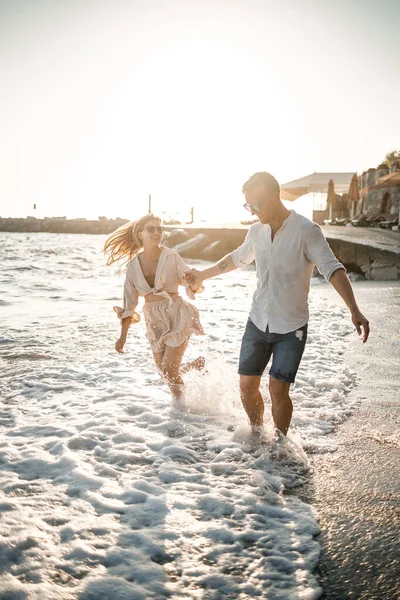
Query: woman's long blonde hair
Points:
[124, 243]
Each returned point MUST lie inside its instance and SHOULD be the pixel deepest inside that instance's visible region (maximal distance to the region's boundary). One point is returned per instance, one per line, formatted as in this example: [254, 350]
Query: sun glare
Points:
[109, 103]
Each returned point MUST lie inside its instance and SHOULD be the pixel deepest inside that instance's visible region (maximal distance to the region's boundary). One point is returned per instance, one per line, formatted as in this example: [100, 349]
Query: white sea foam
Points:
[110, 491]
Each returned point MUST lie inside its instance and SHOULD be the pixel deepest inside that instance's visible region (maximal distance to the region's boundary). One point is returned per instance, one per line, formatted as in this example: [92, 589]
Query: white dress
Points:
[172, 320]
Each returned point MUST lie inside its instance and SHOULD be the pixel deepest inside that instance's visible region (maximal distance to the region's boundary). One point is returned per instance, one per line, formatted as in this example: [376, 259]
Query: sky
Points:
[105, 102]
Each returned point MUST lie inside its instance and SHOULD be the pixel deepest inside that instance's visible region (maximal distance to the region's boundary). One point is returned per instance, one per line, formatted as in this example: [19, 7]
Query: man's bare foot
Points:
[257, 430]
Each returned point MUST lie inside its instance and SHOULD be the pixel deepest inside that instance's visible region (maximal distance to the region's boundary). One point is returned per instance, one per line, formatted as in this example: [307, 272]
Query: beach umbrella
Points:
[354, 191]
[331, 198]
[331, 193]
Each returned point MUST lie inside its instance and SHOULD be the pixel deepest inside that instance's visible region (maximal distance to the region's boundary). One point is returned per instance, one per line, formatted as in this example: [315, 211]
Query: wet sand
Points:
[356, 490]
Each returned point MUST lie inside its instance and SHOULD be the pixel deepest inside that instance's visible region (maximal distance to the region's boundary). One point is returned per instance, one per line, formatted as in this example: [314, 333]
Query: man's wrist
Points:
[203, 275]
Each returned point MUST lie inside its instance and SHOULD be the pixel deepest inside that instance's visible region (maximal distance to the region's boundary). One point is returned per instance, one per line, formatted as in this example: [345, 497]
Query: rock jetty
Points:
[373, 253]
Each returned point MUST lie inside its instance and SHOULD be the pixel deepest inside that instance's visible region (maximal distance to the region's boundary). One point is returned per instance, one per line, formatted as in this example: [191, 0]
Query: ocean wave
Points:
[150, 498]
[23, 268]
[26, 356]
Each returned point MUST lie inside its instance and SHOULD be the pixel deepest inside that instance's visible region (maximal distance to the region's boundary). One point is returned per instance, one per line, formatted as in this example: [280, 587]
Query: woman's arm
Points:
[127, 314]
[120, 343]
[182, 269]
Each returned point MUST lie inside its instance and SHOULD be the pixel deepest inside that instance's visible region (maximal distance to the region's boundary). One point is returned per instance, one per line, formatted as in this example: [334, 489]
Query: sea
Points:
[111, 491]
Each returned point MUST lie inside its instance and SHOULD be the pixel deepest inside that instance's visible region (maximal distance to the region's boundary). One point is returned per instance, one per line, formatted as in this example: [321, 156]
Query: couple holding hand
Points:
[285, 246]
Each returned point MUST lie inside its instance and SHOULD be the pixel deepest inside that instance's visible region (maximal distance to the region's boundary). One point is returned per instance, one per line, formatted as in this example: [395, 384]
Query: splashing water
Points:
[109, 489]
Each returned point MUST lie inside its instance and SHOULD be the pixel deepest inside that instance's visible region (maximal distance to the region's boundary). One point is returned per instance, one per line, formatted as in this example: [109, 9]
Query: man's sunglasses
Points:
[250, 207]
[152, 229]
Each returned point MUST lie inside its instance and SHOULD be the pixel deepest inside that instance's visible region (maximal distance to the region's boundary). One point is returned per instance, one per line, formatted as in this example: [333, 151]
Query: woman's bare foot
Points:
[198, 364]
[177, 391]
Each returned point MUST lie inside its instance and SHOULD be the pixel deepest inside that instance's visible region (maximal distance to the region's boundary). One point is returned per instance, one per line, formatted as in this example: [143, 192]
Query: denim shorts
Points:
[286, 350]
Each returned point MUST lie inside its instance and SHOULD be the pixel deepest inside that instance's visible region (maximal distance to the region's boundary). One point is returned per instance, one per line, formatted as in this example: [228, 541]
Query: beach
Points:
[356, 489]
[108, 490]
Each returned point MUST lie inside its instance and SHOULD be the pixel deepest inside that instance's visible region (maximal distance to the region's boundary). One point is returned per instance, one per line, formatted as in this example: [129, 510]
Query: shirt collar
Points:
[288, 219]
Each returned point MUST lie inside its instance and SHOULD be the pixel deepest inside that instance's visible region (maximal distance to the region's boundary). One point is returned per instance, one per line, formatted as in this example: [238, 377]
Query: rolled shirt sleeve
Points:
[319, 253]
[244, 255]
[183, 268]
[131, 299]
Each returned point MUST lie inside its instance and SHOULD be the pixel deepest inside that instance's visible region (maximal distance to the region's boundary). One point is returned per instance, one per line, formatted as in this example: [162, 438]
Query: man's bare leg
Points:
[252, 400]
[282, 406]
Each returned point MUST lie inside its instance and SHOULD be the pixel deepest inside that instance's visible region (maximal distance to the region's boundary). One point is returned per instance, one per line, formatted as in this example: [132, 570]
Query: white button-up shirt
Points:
[284, 267]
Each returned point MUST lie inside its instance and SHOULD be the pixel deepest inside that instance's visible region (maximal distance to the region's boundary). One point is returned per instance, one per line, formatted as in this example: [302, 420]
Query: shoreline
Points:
[355, 490]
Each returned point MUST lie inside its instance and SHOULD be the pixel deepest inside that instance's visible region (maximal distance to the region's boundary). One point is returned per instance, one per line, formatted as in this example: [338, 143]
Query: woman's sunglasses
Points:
[152, 229]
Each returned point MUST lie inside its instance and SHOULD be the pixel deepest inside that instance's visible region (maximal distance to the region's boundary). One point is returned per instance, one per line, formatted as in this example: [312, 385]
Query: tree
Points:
[392, 157]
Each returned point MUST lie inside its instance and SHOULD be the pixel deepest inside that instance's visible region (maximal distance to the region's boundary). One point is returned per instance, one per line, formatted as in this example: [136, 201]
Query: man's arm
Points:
[240, 257]
[319, 252]
[223, 266]
[342, 285]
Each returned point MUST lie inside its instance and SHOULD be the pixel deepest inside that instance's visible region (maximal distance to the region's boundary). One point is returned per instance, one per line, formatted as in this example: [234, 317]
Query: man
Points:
[285, 247]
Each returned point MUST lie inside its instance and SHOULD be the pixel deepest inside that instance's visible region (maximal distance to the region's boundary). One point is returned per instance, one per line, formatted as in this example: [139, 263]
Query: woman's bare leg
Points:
[168, 363]
[170, 368]
[158, 358]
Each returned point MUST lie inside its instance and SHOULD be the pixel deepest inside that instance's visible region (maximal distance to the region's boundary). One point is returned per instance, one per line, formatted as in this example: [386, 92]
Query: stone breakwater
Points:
[375, 260]
[206, 244]
[61, 225]
[375, 254]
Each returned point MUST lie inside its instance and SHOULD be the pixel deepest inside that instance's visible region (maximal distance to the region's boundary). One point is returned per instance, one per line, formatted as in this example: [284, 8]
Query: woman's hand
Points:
[119, 345]
[194, 277]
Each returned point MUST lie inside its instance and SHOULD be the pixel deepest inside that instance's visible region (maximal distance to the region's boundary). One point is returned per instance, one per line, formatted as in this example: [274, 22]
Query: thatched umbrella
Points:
[354, 193]
[331, 198]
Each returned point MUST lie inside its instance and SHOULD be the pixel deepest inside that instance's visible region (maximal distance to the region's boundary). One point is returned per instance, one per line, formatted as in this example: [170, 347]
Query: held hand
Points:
[194, 277]
[361, 324]
[119, 345]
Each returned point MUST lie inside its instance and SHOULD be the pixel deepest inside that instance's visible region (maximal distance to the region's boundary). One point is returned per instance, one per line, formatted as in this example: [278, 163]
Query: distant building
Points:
[380, 191]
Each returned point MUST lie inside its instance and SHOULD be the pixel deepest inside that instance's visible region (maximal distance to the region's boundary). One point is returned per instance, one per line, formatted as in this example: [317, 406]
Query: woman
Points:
[155, 272]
